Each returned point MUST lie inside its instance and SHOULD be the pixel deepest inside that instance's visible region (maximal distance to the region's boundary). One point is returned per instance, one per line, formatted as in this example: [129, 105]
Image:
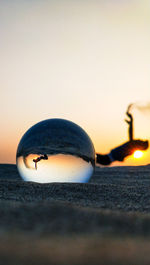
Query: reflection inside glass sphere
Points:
[57, 168]
[55, 150]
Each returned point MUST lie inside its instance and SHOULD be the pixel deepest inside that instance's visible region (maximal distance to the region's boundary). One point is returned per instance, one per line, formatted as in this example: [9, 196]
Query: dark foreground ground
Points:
[104, 222]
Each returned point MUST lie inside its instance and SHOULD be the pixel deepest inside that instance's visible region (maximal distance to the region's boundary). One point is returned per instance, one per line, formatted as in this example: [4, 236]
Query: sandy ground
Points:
[106, 221]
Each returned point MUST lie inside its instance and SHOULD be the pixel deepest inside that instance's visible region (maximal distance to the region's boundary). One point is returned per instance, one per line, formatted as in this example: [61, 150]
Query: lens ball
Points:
[55, 150]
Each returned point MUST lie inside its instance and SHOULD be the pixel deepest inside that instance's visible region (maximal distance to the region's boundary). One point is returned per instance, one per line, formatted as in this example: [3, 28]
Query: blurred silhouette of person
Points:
[44, 157]
[126, 149]
[130, 123]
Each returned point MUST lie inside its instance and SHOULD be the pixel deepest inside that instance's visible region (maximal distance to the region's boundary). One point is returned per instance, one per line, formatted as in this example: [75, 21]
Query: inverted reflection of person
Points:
[130, 123]
[44, 157]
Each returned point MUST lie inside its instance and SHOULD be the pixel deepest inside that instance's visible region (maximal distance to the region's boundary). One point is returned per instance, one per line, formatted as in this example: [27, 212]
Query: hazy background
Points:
[80, 60]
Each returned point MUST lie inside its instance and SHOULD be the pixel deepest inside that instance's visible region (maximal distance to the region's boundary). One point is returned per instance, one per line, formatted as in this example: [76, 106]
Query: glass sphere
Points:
[55, 150]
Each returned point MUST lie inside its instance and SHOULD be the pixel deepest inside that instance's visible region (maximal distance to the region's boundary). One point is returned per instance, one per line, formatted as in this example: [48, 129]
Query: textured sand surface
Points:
[106, 221]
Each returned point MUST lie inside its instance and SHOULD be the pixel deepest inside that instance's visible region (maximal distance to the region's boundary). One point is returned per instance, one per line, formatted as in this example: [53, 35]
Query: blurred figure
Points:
[126, 149]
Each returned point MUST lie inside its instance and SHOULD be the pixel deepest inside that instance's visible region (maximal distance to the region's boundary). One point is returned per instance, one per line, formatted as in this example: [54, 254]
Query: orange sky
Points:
[79, 60]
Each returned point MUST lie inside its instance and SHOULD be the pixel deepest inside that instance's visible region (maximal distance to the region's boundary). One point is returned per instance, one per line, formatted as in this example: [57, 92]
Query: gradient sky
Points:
[79, 60]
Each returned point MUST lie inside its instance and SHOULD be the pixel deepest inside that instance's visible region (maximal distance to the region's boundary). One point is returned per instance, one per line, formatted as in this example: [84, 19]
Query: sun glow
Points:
[138, 154]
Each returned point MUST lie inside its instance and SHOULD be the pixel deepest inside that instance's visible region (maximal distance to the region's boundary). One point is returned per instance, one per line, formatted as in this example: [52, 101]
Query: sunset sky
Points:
[81, 60]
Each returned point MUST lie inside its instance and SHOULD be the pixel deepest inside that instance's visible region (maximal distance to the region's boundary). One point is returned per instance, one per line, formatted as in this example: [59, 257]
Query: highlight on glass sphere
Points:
[55, 150]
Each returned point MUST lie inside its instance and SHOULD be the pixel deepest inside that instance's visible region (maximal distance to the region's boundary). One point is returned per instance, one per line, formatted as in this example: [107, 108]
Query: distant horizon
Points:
[97, 165]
